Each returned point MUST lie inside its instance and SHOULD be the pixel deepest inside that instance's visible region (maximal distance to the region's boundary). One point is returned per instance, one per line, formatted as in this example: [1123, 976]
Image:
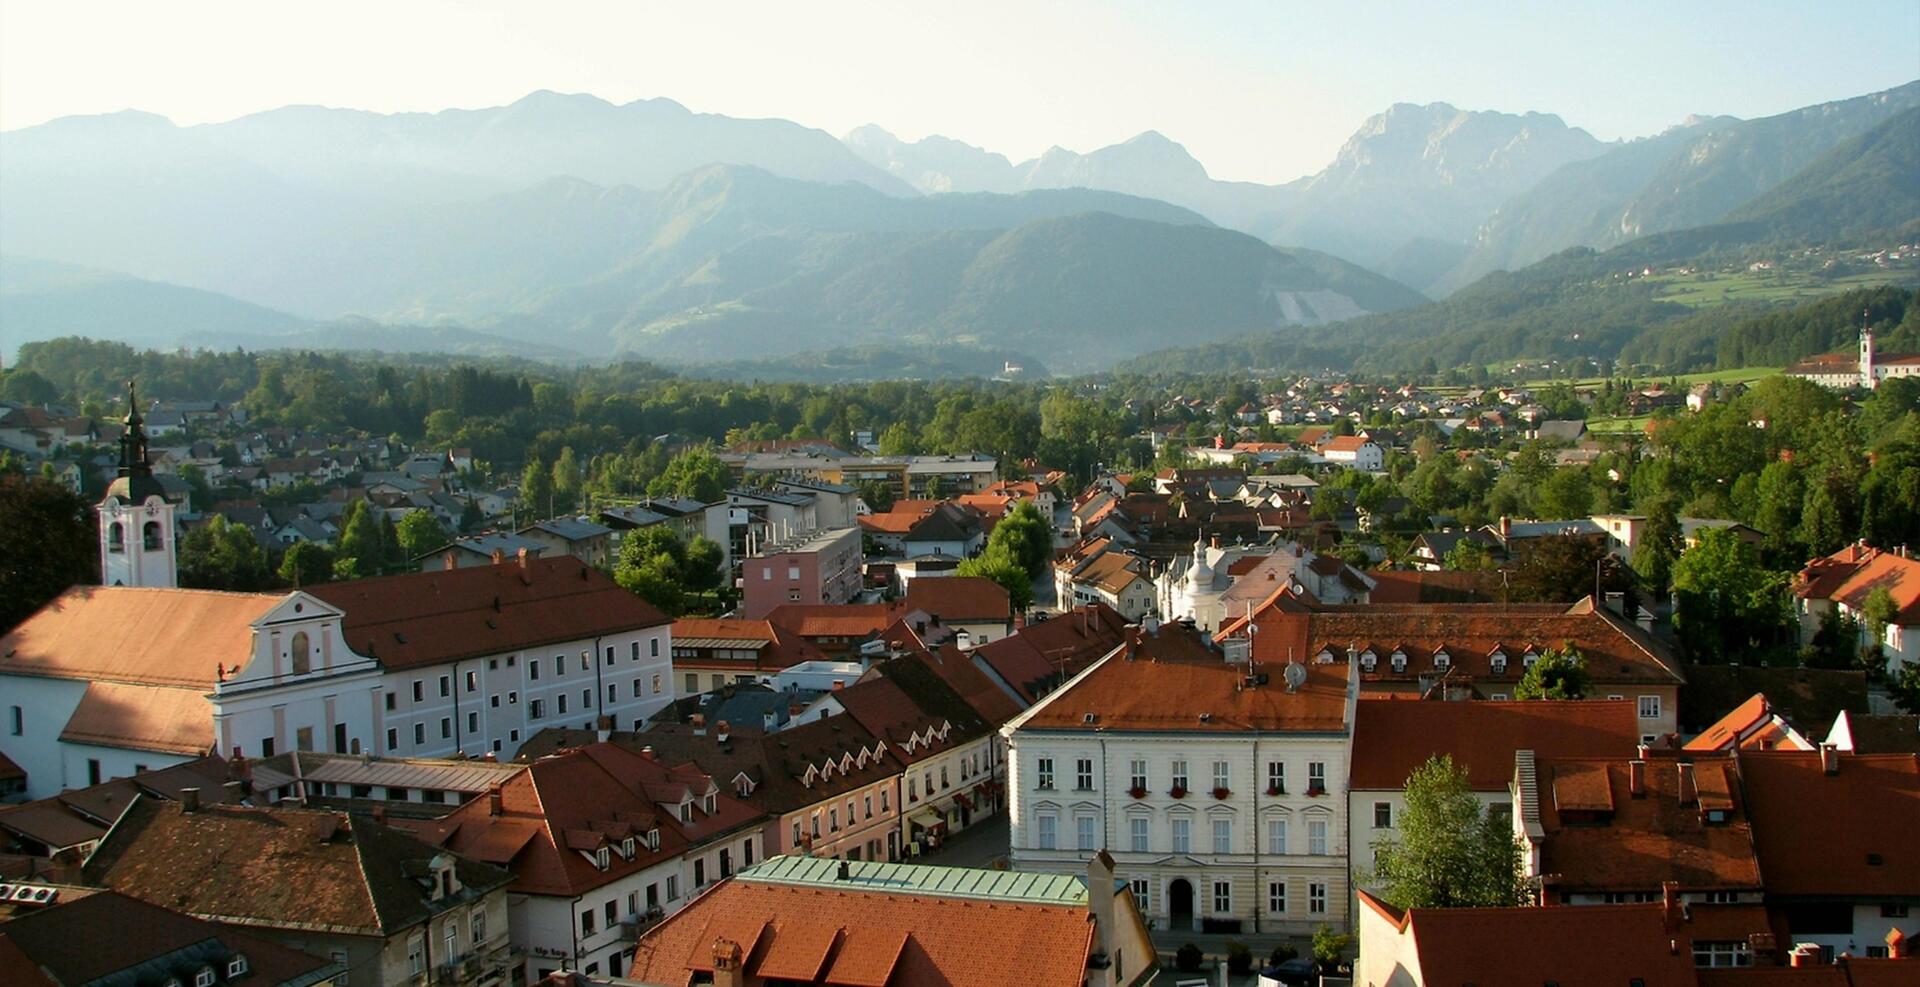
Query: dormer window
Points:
[653, 839]
[602, 858]
[812, 772]
[1441, 659]
[711, 803]
[1399, 660]
[686, 811]
[203, 977]
[237, 966]
[1498, 660]
[627, 848]
[1527, 660]
[743, 786]
[1325, 657]
[1367, 662]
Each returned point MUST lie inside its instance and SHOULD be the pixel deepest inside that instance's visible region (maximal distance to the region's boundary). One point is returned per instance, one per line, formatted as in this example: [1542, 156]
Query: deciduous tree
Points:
[1451, 851]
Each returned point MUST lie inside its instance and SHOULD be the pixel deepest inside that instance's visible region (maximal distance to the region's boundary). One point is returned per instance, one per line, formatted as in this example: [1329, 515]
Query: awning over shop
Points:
[928, 819]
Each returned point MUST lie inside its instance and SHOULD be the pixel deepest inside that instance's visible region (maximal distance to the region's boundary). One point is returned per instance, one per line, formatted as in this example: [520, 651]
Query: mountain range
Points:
[567, 225]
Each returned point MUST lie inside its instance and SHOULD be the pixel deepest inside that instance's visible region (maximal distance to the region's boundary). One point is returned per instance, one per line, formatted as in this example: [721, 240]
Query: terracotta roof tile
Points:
[142, 717]
[145, 636]
[124, 934]
[1392, 737]
[959, 598]
[426, 618]
[1600, 837]
[1856, 843]
[1194, 697]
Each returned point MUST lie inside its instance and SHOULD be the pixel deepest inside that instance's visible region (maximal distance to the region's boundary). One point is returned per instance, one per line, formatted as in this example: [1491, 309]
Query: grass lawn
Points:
[1615, 425]
[1700, 290]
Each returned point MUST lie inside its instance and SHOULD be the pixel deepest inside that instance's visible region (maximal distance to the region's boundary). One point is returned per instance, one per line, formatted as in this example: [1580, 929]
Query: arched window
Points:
[150, 536]
[302, 660]
[116, 537]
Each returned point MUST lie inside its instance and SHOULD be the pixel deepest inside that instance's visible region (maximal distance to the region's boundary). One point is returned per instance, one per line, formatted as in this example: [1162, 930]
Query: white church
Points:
[1865, 369]
[106, 681]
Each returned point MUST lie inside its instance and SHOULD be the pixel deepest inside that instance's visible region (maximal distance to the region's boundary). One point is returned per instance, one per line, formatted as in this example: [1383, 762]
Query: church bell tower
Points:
[136, 519]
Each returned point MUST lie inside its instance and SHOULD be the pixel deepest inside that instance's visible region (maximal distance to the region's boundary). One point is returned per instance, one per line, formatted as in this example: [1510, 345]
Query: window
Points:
[656, 683]
[1316, 899]
[16, 720]
[1084, 834]
[1277, 897]
[1221, 775]
[1893, 911]
[446, 728]
[419, 691]
[866, 806]
[653, 650]
[602, 858]
[533, 671]
[393, 741]
[419, 733]
[1139, 887]
[609, 656]
[1316, 777]
[536, 708]
[150, 536]
[1721, 954]
[417, 954]
[1182, 835]
[1649, 707]
[1180, 775]
[116, 538]
[560, 704]
[1223, 836]
[1083, 774]
[613, 914]
[473, 682]
[699, 873]
[300, 654]
[1222, 897]
[587, 924]
[1276, 778]
[1276, 836]
[1137, 835]
[390, 701]
[586, 698]
[1317, 837]
[1045, 825]
[1042, 774]
[833, 820]
[886, 799]
[1383, 815]
[673, 887]
[473, 722]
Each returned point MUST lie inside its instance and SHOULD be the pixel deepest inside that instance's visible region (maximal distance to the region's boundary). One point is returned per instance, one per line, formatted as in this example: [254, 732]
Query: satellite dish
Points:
[1296, 676]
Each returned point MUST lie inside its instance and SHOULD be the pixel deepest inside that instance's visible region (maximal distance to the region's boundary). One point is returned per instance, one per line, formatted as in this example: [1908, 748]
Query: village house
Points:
[381, 905]
[1841, 583]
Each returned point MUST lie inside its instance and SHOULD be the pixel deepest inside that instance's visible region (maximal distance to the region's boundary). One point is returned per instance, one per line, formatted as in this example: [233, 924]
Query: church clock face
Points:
[152, 509]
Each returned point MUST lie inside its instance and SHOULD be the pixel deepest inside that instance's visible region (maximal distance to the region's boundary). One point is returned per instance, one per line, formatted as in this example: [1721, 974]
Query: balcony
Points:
[489, 963]
[636, 925]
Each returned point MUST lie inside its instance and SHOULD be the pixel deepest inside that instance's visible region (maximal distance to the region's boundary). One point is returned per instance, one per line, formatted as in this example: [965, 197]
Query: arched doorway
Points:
[1180, 904]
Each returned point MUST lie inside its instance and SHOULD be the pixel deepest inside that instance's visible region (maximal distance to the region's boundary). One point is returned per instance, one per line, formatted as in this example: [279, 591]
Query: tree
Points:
[306, 563]
[1566, 493]
[878, 495]
[1877, 612]
[999, 565]
[1564, 568]
[1468, 555]
[421, 532]
[1451, 851]
[1330, 947]
[696, 474]
[1903, 684]
[28, 388]
[536, 489]
[653, 565]
[222, 555]
[1659, 546]
[1729, 606]
[48, 542]
[702, 564]
[1026, 537]
[566, 481]
[359, 552]
[1559, 673]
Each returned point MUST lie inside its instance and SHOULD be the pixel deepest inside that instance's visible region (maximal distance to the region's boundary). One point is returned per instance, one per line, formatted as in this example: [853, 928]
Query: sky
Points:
[1257, 91]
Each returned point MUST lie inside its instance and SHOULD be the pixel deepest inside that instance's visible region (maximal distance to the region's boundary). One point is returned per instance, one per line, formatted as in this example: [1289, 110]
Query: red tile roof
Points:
[963, 599]
[1590, 946]
[1043, 654]
[1601, 838]
[142, 717]
[123, 935]
[1392, 737]
[870, 938]
[773, 647]
[427, 618]
[1752, 725]
[583, 799]
[1616, 651]
[144, 636]
[1847, 834]
[1194, 697]
[1852, 574]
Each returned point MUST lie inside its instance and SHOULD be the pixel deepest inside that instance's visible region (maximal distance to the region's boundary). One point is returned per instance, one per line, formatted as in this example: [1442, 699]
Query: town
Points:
[1320, 676]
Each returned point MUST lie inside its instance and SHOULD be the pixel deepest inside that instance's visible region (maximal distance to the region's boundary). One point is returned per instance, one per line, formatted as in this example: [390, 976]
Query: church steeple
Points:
[136, 520]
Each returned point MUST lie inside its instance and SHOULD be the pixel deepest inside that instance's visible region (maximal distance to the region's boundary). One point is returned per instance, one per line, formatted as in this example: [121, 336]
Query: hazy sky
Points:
[1257, 91]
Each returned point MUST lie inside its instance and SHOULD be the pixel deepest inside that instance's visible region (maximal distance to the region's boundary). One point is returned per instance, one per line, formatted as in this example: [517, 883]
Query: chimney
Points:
[845, 872]
[448, 562]
[524, 557]
[1686, 790]
[1805, 954]
[1670, 904]
[721, 730]
[1637, 776]
[728, 970]
[499, 556]
[769, 720]
[1100, 891]
[603, 728]
[380, 814]
[494, 800]
[699, 722]
[647, 752]
[1215, 541]
[1829, 759]
[189, 800]
[1506, 527]
[1897, 947]
[1764, 948]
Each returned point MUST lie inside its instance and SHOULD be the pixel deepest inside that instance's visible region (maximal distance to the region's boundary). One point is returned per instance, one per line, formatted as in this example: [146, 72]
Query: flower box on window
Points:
[1222, 793]
[1275, 790]
[1137, 792]
[1178, 792]
[1315, 791]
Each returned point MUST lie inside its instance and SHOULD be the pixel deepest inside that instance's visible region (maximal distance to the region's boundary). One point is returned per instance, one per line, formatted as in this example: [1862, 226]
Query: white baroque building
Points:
[1217, 786]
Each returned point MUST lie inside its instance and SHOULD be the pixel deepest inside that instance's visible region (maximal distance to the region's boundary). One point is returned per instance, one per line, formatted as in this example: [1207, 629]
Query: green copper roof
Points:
[950, 882]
